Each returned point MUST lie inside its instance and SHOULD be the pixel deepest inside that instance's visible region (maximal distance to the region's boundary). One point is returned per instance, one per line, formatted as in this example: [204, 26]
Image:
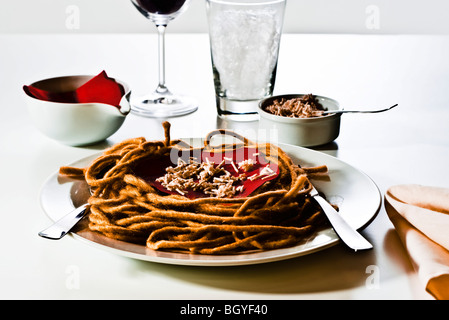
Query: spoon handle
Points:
[63, 226]
[359, 111]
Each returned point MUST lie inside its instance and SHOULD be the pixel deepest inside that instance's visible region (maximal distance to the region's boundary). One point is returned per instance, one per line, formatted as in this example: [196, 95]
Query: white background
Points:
[303, 16]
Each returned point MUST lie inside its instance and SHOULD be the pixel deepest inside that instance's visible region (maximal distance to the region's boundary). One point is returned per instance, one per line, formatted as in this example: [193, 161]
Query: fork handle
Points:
[63, 226]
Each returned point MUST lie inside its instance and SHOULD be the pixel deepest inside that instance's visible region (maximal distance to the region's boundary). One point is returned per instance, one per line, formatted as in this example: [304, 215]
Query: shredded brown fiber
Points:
[123, 206]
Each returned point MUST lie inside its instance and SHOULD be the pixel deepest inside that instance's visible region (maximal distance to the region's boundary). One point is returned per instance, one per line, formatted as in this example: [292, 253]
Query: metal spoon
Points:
[358, 111]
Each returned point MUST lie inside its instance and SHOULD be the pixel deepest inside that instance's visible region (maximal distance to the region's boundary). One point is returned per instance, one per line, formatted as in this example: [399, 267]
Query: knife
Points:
[346, 233]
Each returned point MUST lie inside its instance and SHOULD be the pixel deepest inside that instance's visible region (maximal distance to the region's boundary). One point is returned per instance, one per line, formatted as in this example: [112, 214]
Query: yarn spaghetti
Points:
[125, 207]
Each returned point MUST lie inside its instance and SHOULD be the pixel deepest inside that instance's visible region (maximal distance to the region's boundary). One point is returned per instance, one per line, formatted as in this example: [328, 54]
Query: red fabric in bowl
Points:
[99, 89]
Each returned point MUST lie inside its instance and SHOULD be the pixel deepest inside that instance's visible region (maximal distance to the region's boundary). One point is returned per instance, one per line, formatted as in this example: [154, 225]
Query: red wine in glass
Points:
[161, 6]
[162, 103]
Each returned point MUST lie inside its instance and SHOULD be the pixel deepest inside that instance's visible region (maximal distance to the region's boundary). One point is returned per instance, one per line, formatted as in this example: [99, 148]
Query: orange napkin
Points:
[420, 215]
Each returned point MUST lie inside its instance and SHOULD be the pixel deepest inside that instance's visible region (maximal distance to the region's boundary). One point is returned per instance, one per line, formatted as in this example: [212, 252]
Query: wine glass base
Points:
[160, 106]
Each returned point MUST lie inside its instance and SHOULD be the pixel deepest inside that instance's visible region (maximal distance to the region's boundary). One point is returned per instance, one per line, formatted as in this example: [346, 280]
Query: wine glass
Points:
[162, 103]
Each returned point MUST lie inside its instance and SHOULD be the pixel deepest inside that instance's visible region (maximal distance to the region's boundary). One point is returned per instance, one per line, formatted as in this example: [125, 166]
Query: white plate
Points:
[355, 193]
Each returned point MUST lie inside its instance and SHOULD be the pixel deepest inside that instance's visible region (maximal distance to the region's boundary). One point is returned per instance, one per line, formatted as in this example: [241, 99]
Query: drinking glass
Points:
[162, 103]
[244, 39]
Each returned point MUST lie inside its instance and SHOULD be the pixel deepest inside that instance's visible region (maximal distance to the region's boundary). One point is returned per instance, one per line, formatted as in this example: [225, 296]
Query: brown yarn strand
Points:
[125, 207]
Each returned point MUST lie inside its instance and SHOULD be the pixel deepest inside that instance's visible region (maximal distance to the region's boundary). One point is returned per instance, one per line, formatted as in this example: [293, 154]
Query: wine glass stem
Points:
[161, 38]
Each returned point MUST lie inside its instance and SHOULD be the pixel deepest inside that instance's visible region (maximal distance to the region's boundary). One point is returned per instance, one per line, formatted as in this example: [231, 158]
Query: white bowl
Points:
[305, 132]
[75, 124]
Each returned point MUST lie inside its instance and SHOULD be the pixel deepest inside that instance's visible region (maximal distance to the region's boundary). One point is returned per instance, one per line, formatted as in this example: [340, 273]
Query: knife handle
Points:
[347, 234]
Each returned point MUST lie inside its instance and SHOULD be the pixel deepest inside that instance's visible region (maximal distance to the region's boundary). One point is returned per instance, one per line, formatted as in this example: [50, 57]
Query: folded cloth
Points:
[64, 97]
[99, 89]
[420, 215]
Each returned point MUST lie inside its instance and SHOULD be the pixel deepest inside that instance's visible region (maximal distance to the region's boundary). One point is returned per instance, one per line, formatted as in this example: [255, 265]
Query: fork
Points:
[63, 226]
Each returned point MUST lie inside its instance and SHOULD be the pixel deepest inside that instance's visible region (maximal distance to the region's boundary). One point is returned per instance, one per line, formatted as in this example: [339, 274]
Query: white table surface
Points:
[407, 145]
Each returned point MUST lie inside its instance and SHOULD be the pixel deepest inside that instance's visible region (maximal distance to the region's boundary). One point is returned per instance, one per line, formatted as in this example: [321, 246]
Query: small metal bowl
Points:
[305, 132]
